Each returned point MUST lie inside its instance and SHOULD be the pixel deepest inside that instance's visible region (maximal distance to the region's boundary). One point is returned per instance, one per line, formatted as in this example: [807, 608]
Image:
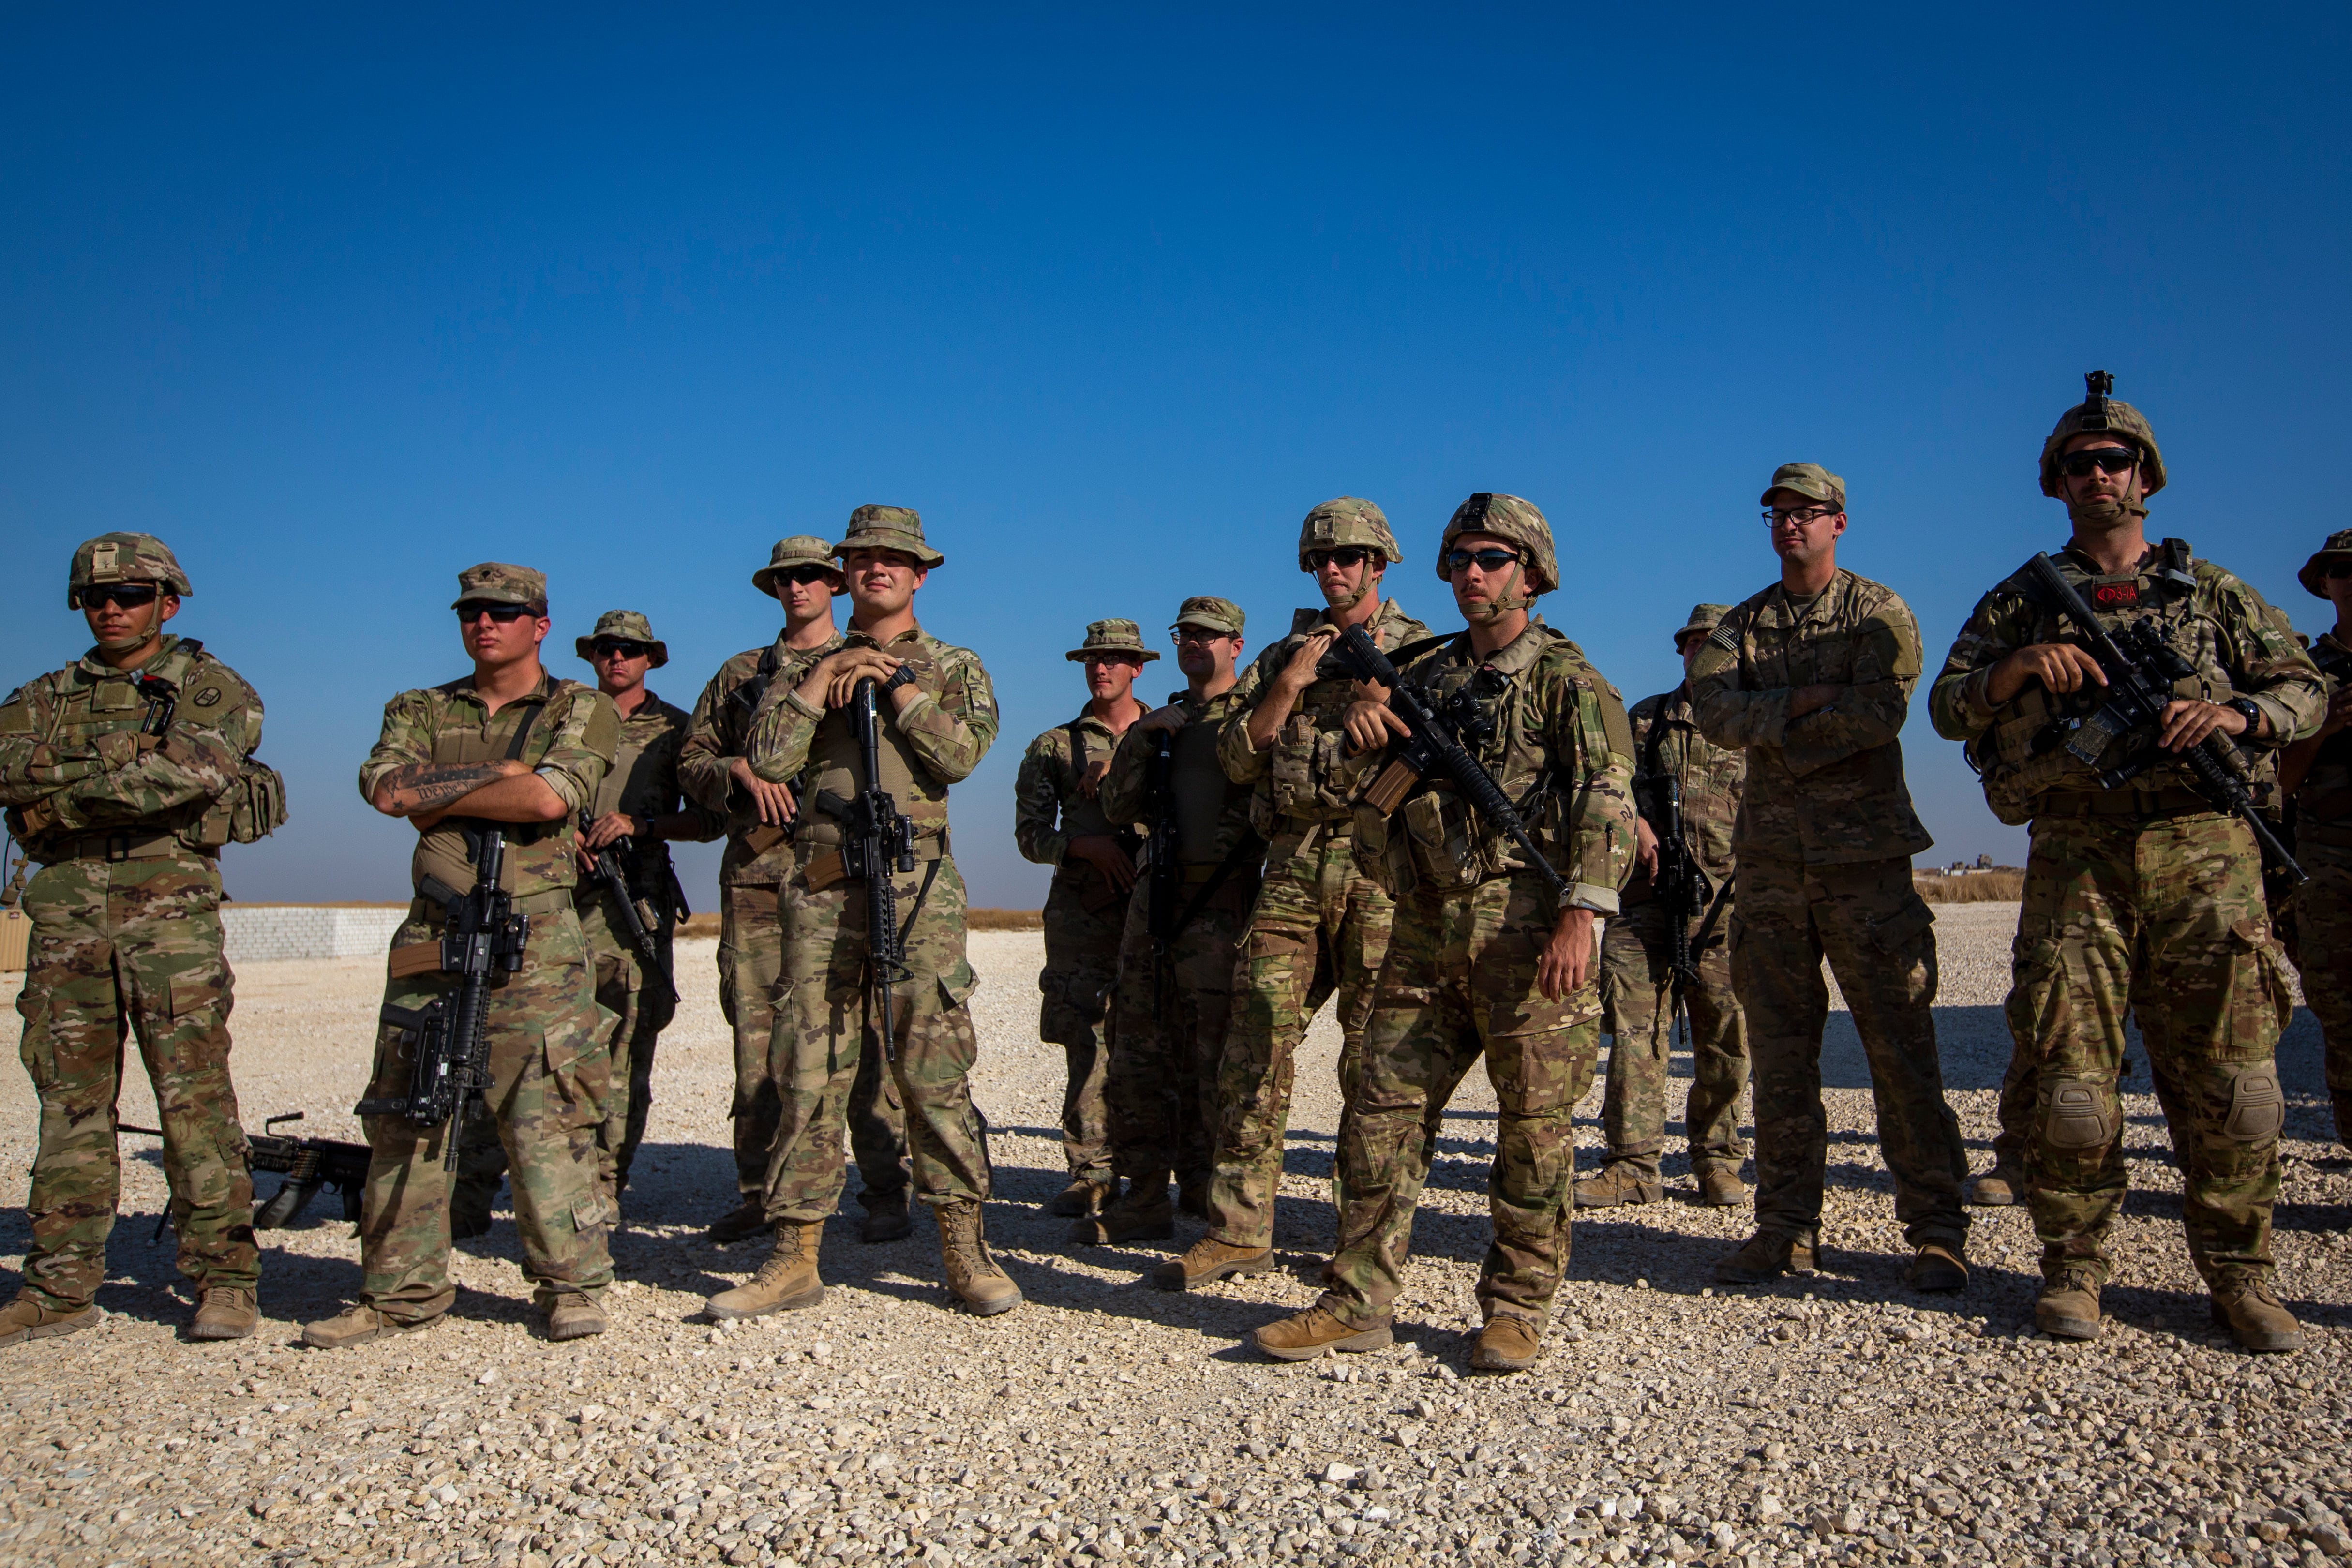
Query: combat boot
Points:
[2068, 1306]
[1193, 1198]
[1507, 1343]
[972, 1276]
[1997, 1188]
[1083, 1196]
[1305, 1335]
[1141, 1213]
[358, 1326]
[743, 1222]
[1719, 1188]
[787, 1280]
[225, 1311]
[1622, 1183]
[574, 1315]
[2250, 1310]
[1937, 1267]
[24, 1318]
[1765, 1257]
[467, 1219]
[886, 1218]
[1209, 1261]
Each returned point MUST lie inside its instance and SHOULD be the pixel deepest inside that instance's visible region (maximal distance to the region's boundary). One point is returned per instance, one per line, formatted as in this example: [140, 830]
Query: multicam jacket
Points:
[1305, 774]
[573, 733]
[74, 761]
[2322, 806]
[644, 783]
[1048, 810]
[1213, 811]
[2238, 645]
[1665, 728]
[1554, 736]
[1826, 789]
[716, 736]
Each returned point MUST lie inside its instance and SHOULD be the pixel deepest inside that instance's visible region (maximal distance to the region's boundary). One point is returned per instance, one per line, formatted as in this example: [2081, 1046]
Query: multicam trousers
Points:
[131, 948]
[1459, 982]
[2320, 937]
[824, 1032]
[1169, 1043]
[1317, 926]
[548, 1087]
[1083, 919]
[1880, 939]
[1637, 959]
[2165, 919]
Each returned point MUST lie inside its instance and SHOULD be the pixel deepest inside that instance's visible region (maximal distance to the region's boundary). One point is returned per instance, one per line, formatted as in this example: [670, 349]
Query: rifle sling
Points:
[1244, 847]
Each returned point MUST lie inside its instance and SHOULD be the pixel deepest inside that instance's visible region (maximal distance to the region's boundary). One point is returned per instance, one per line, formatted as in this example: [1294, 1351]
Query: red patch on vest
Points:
[2114, 596]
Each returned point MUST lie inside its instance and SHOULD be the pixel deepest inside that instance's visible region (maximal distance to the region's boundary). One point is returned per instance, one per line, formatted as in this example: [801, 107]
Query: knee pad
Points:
[2081, 1114]
[2257, 1107]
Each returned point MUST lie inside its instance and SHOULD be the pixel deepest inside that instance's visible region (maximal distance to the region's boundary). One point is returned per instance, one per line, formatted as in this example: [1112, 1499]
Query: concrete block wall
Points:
[260, 932]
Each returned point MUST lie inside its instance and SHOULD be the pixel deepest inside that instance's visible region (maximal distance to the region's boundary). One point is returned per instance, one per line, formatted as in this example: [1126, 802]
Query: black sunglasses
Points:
[804, 575]
[2337, 568]
[1494, 558]
[474, 610]
[2106, 459]
[1344, 558]
[621, 647]
[122, 596]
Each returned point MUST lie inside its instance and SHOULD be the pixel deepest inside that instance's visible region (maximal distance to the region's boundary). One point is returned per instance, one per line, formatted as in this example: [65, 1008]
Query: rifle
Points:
[1677, 883]
[1159, 893]
[307, 1165]
[1434, 748]
[604, 871]
[2141, 666]
[881, 837]
[481, 935]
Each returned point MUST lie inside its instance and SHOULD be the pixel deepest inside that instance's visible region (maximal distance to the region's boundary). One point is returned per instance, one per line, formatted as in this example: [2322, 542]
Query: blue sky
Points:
[339, 305]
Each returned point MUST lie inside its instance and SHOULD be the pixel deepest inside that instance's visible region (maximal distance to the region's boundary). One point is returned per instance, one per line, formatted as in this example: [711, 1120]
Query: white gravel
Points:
[1840, 1419]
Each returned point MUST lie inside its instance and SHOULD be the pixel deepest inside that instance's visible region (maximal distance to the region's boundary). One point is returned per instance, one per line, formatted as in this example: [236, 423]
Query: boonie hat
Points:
[889, 528]
[801, 550]
[1704, 618]
[2313, 573]
[1112, 637]
[625, 626]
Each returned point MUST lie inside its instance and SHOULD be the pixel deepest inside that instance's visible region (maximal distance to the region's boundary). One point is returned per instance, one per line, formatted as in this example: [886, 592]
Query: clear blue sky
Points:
[340, 306]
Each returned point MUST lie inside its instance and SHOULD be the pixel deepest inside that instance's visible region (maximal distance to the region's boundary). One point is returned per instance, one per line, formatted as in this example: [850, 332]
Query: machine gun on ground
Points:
[307, 1165]
[605, 870]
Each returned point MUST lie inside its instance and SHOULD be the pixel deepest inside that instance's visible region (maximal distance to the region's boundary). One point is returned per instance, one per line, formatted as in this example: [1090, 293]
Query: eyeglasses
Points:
[1800, 516]
[1181, 634]
[1346, 558]
[122, 596]
[1494, 558]
[473, 610]
[2106, 459]
[805, 575]
[620, 648]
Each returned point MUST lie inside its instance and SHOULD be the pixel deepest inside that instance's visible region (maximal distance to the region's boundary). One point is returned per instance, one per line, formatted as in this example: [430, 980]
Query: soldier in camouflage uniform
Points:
[759, 860]
[1637, 981]
[936, 716]
[506, 747]
[1484, 959]
[2143, 899]
[1058, 821]
[1319, 925]
[1175, 990]
[126, 810]
[1813, 678]
[2315, 773]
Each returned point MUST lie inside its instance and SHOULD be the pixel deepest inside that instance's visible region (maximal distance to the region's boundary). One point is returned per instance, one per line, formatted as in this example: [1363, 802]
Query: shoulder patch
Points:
[1724, 637]
[206, 697]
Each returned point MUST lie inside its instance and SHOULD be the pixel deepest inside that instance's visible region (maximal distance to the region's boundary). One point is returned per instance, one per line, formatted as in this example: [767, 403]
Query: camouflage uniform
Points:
[822, 994]
[758, 861]
[1824, 841]
[126, 940]
[1319, 926]
[1460, 976]
[548, 1063]
[2142, 900]
[2321, 927]
[1637, 954]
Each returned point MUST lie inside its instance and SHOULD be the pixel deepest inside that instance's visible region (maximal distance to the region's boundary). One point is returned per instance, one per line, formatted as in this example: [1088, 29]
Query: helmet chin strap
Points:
[1370, 583]
[2102, 514]
[125, 640]
[1513, 598]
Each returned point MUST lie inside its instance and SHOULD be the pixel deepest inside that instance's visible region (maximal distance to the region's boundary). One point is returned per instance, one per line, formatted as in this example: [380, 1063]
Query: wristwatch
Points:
[2244, 709]
[904, 675]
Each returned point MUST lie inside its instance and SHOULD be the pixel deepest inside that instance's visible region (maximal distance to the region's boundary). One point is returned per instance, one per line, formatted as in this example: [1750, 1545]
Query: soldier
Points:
[1485, 958]
[124, 773]
[759, 860]
[1319, 926]
[1637, 983]
[1175, 990]
[1812, 677]
[506, 747]
[2315, 773]
[1058, 821]
[936, 717]
[2144, 899]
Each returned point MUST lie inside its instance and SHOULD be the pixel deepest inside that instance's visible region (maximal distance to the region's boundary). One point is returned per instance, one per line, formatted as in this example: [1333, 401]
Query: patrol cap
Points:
[624, 626]
[2314, 575]
[1221, 615]
[888, 527]
[1704, 618]
[1112, 637]
[495, 582]
[801, 550]
[1346, 520]
[2099, 413]
[124, 558]
[1810, 480]
[1507, 517]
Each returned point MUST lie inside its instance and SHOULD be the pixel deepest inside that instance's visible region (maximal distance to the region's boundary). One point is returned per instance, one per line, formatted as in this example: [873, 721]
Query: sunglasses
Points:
[474, 610]
[1494, 558]
[122, 596]
[805, 575]
[620, 648]
[2337, 568]
[1345, 556]
[1801, 517]
[2106, 459]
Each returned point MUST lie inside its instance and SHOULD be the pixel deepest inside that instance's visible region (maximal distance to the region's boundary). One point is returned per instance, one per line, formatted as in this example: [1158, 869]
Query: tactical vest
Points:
[1309, 772]
[836, 769]
[1200, 786]
[538, 855]
[2323, 806]
[1082, 817]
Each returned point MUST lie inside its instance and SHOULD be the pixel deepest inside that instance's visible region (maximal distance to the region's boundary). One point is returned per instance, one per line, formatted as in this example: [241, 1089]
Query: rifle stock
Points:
[604, 870]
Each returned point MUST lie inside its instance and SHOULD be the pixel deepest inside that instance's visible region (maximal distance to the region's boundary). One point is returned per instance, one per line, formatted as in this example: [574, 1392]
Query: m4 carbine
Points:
[880, 843]
[2141, 666]
[307, 1165]
[482, 937]
[606, 869]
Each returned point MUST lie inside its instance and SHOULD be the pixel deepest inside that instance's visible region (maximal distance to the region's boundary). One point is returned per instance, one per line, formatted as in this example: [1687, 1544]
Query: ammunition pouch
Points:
[249, 811]
[1310, 773]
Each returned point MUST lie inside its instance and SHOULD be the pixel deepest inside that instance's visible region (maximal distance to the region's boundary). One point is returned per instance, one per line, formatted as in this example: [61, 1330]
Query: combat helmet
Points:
[124, 558]
[1348, 520]
[2098, 413]
[1506, 518]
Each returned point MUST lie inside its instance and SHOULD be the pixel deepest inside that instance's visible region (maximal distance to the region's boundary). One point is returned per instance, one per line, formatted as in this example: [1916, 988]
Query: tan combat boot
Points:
[1083, 1196]
[1209, 1261]
[886, 1218]
[24, 1318]
[225, 1311]
[2068, 1306]
[972, 1276]
[741, 1223]
[1937, 1267]
[1997, 1188]
[1141, 1213]
[1765, 1257]
[1507, 1343]
[358, 1326]
[1721, 1187]
[2250, 1310]
[1622, 1183]
[574, 1315]
[787, 1280]
[1305, 1335]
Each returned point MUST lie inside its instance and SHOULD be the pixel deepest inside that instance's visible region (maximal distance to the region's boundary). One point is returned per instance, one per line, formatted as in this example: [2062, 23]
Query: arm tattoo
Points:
[425, 786]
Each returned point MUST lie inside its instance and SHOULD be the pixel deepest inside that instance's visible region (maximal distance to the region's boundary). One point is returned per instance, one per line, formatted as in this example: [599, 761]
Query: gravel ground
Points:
[1839, 1419]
